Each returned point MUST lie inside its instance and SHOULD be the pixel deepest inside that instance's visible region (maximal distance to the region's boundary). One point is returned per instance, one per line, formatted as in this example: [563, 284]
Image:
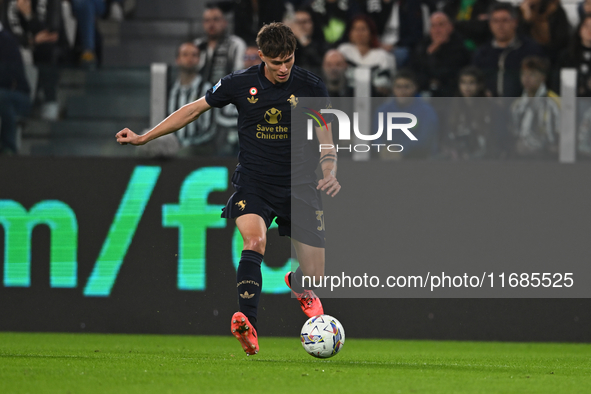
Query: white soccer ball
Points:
[322, 336]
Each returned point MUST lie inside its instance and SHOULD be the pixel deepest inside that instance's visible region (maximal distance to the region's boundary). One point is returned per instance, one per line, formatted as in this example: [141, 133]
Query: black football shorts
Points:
[279, 202]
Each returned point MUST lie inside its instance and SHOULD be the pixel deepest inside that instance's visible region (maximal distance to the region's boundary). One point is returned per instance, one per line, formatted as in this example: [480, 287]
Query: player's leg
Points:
[249, 280]
[305, 226]
[311, 259]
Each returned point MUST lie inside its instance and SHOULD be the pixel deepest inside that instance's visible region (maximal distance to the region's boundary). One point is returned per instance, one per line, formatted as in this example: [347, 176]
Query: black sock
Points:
[249, 284]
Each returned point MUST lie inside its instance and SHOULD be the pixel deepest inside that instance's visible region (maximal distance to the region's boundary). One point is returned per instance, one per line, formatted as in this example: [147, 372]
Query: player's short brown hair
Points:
[276, 40]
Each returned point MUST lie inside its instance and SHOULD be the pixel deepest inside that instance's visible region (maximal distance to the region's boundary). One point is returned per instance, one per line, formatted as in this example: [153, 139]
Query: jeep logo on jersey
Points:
[345, 124]
[273, 116]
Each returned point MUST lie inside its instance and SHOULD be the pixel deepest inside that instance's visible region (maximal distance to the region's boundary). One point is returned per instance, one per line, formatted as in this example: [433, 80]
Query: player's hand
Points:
[127, 136]
[329, 184]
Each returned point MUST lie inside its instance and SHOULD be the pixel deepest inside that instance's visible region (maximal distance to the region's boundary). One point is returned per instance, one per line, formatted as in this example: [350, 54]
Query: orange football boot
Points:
[309, 301]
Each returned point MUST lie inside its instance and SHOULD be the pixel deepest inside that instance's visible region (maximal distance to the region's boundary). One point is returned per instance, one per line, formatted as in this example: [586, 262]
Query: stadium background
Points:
[122, 222]
[146, 298]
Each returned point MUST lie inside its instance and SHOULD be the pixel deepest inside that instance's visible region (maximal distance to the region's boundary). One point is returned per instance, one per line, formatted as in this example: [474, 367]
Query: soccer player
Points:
[264, 96]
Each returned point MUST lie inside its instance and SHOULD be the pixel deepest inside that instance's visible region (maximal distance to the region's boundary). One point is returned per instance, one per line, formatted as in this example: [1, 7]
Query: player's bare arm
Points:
[175, 121]
[328, 162]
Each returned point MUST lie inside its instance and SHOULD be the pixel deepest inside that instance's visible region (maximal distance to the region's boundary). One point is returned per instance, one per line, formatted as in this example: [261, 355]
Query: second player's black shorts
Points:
[279, 202]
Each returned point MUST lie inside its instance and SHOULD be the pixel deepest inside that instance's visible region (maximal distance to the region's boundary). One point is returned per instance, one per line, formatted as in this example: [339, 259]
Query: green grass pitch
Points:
[92, 363]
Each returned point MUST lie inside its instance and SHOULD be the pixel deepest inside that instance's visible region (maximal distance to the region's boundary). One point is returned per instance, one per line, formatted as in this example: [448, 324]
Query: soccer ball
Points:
[322, 336]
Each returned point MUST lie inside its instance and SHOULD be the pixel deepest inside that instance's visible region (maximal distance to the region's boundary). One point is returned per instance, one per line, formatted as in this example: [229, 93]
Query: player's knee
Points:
[257, 244]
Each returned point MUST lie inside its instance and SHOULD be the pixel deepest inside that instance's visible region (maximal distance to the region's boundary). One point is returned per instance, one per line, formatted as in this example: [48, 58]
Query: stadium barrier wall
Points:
[128, 246]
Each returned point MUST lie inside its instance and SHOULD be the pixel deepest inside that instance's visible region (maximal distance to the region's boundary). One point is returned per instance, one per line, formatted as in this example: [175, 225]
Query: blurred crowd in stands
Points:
[417, 51]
